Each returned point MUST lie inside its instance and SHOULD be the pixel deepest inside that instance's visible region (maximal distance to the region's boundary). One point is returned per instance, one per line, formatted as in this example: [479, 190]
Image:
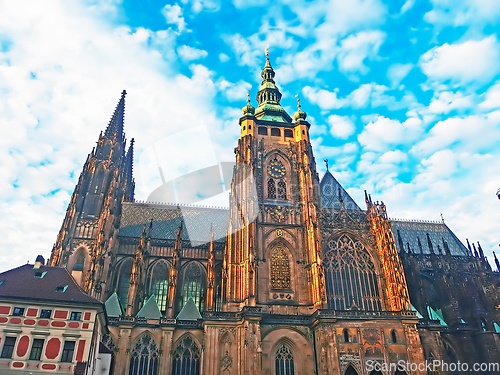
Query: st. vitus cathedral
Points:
[293, 279]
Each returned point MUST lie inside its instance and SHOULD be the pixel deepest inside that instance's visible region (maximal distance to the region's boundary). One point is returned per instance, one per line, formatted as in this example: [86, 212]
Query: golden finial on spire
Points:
[248, 98]
[267, 50]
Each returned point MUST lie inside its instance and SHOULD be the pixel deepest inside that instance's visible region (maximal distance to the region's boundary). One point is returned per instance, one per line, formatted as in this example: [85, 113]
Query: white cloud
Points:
[475, 14]
[173, 15]
[470, 62]
[356, 48]
[397, 72]
[341, 126]
[188, 53]
[492, 98]
[393, 157]
[235, 91]
[446, 101]
[475, 133]
[385, 133]
[223, 57]
[323, 98]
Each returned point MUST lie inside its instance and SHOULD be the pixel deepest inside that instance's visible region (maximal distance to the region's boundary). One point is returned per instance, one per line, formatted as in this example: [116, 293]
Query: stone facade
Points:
[293, 279]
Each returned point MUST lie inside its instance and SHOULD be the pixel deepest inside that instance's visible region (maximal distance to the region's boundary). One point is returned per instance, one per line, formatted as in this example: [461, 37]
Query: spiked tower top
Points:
[269, 97]
[115, 126]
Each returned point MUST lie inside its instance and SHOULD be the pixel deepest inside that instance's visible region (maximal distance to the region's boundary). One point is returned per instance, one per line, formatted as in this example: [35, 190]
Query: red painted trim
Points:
[22, 346]
[5, 310]
[61, 314]
[81, 349]
[58, 324]
[32, 312]
[43, 323]
[15, 320]
[49, 366]
[52, 349]
[29, 322]
[86, 316]
[18, 364]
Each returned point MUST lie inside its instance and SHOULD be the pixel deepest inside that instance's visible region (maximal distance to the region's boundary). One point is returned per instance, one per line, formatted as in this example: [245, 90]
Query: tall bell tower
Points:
[272, 252]
[90, 226]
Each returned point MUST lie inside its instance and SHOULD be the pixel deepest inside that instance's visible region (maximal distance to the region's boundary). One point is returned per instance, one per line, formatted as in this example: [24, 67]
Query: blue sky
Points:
[403, 97]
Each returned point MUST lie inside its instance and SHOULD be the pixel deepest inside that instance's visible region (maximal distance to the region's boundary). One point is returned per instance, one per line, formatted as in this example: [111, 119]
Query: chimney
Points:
[39, 262]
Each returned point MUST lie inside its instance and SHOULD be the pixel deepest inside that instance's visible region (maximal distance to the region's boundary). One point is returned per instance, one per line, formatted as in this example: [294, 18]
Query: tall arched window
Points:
[284, 361]
[159, 284]
[80, 261]
[193, 286]
[123, 281]
[144, 357]
[271, 188]
[351, 281]
[186, 358]
[346, 335]
[394, 336]
[281, 189]
[280, 269]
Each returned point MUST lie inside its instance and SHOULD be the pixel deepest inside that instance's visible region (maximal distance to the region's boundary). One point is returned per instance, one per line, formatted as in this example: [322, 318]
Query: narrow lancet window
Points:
[280, 269]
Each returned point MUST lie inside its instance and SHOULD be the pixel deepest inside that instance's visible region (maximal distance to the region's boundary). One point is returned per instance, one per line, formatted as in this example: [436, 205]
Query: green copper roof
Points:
[113, 307]
[269, 98]
[189, 311]
[150, 309]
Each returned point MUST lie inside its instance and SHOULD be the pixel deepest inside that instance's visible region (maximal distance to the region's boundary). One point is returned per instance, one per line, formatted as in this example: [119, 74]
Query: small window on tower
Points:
[271, 189]
[244, 127]
[249, 127]
[303, 132]
[276, 132]
[288, 133]
[262, 130]
[281, 189]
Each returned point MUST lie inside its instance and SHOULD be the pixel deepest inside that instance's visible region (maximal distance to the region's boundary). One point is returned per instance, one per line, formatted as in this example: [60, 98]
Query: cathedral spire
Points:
[115, 126]
[496, 261]
[269, 97]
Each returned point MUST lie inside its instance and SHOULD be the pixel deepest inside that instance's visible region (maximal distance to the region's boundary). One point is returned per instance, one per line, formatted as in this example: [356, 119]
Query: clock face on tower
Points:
[275, 169]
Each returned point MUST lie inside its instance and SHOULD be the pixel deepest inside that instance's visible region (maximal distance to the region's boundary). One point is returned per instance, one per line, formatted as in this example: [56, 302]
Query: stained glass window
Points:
[159, 284]
[284, 361]
[123, 282]
[351, 281]
[280, 269]
[281, 189]
[186, 358]
[144, 357]
[193, 285]
[271, 188]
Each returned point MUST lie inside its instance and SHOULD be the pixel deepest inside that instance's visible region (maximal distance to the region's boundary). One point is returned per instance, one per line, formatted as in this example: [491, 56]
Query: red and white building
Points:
[48, 324]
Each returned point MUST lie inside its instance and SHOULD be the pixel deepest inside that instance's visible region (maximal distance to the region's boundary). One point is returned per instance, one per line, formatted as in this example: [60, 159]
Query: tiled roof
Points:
[25, 283]
[167, 218]
[329, 190]
[417, 235]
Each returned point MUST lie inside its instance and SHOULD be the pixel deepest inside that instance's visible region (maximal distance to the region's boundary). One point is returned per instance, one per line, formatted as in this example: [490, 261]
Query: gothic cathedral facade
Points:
[293, 279]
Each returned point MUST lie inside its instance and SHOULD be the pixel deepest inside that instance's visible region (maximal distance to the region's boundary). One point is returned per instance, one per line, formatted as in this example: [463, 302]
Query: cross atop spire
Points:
[115, 126]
